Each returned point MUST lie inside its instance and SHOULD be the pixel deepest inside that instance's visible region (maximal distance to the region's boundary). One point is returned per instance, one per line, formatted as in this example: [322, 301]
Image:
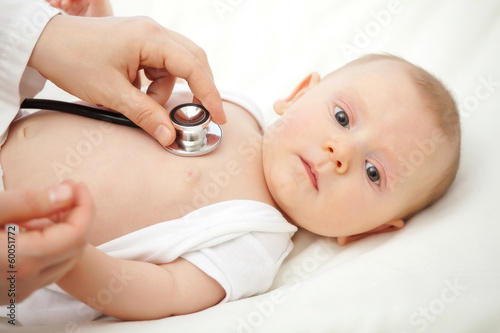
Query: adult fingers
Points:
[192, 47]
[42, 275]
[79, 219]
[27, 204]
[161, 86]
[60, 241]
[143, 110]
[179, 61]
[36, 224]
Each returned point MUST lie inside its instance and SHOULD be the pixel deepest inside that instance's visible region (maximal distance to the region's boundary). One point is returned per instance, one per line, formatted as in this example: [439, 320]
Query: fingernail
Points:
[60, 193]
[162, 134]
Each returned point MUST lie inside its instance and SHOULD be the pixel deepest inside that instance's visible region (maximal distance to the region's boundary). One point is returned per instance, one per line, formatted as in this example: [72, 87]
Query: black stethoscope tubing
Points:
[77, 109]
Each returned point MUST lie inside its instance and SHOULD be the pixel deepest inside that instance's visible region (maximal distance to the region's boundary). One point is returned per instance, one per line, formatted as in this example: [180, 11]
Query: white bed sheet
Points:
[441, 273]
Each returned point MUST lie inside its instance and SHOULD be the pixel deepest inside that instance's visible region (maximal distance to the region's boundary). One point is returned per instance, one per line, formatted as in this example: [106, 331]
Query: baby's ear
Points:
[386, 227]
[281, 105]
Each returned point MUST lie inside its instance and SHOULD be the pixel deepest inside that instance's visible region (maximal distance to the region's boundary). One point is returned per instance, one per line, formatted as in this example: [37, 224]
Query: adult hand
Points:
[98, 59]
[90, 8]
[48, 248]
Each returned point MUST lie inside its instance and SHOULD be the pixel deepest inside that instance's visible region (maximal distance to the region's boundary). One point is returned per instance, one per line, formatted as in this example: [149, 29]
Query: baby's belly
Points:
[133, 180]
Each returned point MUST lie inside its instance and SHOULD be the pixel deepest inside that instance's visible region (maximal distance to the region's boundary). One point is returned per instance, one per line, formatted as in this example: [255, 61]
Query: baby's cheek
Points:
[283, 130]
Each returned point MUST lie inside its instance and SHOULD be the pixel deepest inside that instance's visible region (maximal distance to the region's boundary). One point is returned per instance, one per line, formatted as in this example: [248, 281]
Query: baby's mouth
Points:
[311, 173]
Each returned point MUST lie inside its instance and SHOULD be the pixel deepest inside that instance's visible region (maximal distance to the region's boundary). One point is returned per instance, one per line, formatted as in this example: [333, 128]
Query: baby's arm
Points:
[133, 290]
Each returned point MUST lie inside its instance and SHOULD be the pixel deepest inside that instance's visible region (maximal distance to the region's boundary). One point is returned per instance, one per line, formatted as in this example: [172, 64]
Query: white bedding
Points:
[441, 273]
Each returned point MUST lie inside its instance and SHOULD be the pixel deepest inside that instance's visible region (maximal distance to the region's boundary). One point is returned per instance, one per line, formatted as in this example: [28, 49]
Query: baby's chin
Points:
[306, 225]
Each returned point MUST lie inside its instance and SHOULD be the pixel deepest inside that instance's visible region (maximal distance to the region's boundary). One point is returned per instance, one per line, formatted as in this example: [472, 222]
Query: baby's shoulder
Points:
[240, 110]
[244, 103]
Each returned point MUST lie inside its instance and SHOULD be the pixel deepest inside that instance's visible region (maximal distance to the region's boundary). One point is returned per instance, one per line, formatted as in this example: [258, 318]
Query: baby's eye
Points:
[341, 117]
[372, 173]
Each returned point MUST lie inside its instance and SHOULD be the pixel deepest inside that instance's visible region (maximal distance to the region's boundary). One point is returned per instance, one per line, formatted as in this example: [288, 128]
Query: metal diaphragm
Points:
[196, 133]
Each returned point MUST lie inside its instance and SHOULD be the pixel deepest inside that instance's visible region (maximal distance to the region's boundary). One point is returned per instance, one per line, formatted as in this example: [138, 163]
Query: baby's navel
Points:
[192, 175]
[26, 132]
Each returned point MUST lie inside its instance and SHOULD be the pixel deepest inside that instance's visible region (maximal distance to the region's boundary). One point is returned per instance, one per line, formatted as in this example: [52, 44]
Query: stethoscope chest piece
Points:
[196, 134]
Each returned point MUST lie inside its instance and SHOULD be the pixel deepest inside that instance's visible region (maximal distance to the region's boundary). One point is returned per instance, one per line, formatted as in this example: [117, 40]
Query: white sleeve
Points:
[244, 266]
[21, 24]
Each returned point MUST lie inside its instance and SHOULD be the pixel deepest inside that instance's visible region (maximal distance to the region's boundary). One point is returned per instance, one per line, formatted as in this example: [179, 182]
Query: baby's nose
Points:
[338, 156]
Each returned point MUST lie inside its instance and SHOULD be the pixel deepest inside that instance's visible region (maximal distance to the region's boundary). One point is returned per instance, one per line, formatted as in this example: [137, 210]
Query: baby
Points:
[355, 153]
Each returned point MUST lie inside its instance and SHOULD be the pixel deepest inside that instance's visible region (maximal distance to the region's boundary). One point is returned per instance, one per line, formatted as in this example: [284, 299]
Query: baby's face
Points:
[333, 161]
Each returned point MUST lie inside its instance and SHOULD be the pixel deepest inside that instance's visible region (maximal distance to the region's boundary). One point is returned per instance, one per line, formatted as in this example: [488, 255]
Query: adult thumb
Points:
[19, 205]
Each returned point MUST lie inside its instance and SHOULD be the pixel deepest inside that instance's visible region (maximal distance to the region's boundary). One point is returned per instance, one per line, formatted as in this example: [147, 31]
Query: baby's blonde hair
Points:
[439, 101]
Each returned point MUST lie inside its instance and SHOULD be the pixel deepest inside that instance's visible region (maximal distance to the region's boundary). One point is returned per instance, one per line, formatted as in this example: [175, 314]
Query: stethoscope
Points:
[196, 133]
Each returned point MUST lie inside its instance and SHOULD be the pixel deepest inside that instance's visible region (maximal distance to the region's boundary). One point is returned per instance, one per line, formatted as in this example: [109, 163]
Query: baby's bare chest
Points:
[133, 180]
